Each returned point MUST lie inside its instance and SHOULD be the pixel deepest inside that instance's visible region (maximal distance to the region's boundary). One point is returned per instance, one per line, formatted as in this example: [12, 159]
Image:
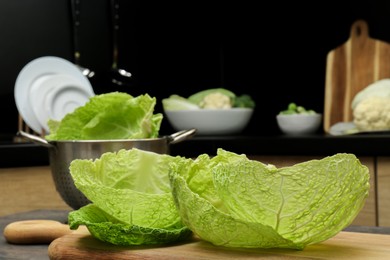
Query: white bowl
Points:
[296, 124]
[210, 121]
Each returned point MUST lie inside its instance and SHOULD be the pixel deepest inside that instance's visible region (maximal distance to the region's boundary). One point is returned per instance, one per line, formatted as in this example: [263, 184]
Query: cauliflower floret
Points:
[216, 101]
[380, 88]
[372, 113]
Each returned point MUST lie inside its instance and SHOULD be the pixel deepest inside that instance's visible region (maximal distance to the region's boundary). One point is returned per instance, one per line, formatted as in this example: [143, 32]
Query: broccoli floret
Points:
[244, 101]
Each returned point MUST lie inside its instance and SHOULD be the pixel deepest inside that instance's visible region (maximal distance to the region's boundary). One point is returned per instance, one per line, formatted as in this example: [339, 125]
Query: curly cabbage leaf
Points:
[108, 229]
[232, 201]
[113, 115]
[176, 102]
[132, 187]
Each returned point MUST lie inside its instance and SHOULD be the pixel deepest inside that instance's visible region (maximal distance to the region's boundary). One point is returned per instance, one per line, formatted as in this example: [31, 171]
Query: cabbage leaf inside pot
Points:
[114, 115]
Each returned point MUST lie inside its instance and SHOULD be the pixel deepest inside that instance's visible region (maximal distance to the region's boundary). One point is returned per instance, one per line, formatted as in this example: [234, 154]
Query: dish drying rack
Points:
[22, 126]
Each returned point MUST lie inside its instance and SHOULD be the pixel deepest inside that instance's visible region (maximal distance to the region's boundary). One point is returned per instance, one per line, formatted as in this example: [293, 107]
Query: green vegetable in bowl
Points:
[215, 98]
[113, 115]
[244, 101]
[176, 102]
[293, 109]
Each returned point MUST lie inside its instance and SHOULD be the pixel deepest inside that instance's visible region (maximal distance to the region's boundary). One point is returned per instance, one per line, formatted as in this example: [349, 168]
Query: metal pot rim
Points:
[109, 141]
[169, 139]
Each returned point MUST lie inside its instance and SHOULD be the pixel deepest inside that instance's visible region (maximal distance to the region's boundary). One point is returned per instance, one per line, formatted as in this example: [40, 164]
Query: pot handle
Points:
[35, 139]
[181, 135]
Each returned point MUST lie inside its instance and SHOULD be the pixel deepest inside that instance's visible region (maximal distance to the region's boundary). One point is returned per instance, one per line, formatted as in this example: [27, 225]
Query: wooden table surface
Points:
[27, 189]
[40, 252]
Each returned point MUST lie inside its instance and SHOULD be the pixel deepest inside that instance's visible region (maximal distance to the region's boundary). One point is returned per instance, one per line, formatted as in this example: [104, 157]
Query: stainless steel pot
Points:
[62, 153]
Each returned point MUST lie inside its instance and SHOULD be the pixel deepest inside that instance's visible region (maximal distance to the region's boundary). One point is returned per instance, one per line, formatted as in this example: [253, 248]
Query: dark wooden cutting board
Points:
[345, 245]
[354, 65]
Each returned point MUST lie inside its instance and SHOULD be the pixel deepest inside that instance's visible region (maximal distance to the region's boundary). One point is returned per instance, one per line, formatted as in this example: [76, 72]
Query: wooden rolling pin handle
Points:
[35, 231]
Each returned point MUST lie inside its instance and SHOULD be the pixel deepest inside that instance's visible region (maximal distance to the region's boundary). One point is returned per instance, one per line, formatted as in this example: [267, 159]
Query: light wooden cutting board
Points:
[345, 245]
[351, 67]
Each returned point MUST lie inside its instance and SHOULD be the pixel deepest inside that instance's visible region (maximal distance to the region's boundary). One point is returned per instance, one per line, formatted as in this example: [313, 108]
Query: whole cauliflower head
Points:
[372, 114]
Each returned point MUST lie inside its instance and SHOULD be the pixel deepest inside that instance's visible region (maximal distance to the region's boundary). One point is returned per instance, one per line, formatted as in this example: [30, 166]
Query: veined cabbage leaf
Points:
[108, 229]
[113, 115]
[228, 200]
[132, 188]
[232, 201]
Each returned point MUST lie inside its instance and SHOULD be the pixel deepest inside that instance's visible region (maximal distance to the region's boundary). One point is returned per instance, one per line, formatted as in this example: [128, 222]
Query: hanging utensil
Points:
[75, 8]
[124, 74]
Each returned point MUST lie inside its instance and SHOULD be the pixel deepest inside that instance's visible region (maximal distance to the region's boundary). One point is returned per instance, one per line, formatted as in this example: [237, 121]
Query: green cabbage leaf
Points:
[109, 229]
[132, 188]
[230, 200]
[141, 197]
[176, 102]
[113, 115]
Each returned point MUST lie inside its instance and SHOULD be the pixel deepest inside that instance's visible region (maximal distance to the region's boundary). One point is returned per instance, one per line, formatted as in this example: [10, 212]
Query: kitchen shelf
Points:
[309, 145]
[19, 154]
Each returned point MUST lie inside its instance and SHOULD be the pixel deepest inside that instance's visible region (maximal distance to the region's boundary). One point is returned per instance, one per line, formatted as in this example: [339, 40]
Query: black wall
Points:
[276, 52]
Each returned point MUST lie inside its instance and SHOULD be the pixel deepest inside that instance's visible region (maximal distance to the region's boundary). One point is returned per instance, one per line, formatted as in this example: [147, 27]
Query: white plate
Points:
[55, 96]
[37, 72]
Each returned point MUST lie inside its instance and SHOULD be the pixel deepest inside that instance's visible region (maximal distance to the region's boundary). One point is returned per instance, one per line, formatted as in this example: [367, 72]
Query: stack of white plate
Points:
[49, 88]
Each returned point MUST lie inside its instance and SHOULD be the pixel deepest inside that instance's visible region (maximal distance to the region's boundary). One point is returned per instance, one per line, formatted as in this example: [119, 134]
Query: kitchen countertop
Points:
[39, 252]
[18, 154]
